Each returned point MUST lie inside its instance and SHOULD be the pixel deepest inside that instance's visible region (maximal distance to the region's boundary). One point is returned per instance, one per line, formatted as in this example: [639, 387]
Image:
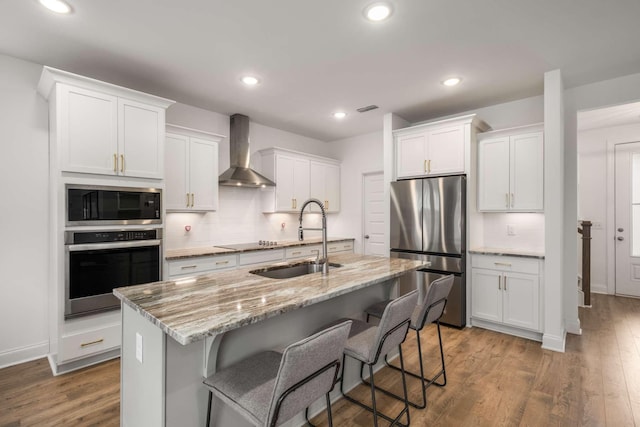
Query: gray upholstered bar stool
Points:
[367, 343]
[429, 310]
[269, 388]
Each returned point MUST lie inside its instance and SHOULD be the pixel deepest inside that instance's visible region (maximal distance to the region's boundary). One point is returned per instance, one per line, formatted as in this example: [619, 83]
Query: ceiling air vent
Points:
[367, 108]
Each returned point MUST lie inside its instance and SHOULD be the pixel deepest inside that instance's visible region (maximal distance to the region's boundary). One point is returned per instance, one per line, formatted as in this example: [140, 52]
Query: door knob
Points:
[620, 230]
[366, 236]
[620, 238]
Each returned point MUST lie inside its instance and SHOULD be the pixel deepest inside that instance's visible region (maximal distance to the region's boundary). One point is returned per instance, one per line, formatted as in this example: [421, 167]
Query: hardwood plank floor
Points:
[493, 380]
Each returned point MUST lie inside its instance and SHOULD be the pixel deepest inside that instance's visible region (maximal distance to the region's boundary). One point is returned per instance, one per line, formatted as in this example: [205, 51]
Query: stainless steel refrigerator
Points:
[428, 223]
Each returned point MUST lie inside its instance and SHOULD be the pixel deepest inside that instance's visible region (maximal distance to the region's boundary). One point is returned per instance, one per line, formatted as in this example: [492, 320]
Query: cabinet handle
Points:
[295, 203]
[425, 166]
[333, 248]
[184, 267]
[326, 204]
[506, 264]
[222, 262]
[512, 200]
[296, 253]
[86, 344]
[187, 199]
[349, 246]
[115, 163]
[506, 198]
[122, 163]
[193, 199]
[505, 283]
[499, 286]
[429, 166]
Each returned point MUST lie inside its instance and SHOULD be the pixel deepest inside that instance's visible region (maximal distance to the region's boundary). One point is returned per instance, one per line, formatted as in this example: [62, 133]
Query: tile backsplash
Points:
[514, 231]
[239, 219]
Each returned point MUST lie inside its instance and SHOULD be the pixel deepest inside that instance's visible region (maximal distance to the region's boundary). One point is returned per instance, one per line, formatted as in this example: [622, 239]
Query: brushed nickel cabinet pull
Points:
[122, 163]
[506, 264]
[86, 344]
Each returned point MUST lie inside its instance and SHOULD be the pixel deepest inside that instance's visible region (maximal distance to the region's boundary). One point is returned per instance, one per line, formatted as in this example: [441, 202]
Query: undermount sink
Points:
[289, 271]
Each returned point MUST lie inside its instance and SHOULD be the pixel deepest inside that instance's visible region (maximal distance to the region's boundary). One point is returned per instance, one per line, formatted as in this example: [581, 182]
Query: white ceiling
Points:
[318, 57]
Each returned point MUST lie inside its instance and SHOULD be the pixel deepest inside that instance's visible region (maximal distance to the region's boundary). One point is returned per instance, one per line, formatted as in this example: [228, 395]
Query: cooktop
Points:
[261, 244]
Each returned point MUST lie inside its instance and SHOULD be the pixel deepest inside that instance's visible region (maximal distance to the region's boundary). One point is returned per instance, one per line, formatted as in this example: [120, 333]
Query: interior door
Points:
[627, 208]
[373, 221]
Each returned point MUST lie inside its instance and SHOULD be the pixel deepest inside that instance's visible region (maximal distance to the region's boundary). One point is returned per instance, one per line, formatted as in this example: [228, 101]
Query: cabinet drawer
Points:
[262, 256]
[88, 343]
[303, 251]
[340, 247]
[506, 263]
[201, 265]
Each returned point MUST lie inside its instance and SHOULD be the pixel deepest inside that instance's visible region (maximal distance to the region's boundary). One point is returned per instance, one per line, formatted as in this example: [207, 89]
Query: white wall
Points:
[24, 252]
[593, 194]
[360, 154]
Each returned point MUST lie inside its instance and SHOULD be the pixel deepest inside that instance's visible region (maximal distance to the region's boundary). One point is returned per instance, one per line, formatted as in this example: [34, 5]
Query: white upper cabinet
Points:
[433, 149]
[298, 177]
[100, 128]
[324, 181]
[191, 170]
[511, 170]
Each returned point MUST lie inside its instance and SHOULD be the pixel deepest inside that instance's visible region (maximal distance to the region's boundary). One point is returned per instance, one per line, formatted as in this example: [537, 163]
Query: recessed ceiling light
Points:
[58, 6]
[377, 11]
[250, 80]
[339, 115]
[451, 81]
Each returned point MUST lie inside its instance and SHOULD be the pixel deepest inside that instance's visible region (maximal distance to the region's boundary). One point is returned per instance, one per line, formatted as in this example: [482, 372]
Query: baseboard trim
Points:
[506, 329]
[599, 288]
[573, 327]
[16, 356]
[554, 342]
[64, 368]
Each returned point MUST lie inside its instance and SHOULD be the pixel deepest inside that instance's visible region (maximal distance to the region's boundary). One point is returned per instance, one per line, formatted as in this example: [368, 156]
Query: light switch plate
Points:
[511, 230]
[139, 347]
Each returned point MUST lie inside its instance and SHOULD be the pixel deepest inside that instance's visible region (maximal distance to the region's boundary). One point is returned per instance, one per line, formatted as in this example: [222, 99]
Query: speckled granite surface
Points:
[174, 254]
[190, 309]
[508, 252]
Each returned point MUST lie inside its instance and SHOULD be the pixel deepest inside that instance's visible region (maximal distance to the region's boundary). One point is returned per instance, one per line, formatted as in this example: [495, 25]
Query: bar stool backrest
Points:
[296, 387]
[433, 305]
[397, 311]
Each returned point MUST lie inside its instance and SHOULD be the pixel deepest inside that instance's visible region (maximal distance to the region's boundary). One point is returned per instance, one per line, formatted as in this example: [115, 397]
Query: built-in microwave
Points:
[102, 205]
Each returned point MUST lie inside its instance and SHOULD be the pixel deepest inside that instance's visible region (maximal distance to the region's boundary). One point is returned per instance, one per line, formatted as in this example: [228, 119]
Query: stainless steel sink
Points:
[289, 271]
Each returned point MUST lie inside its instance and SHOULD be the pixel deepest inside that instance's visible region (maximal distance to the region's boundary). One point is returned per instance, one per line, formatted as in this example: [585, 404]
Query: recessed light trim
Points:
[339, 115]
[377, 12]
[250, 80]
[452, 81]
[57, 6]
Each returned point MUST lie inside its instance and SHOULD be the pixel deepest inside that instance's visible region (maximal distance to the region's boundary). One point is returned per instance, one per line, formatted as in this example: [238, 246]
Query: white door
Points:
[373, 221]
[527, 171]
[520, 300]
[627, 206]
[203, 174]
[140, 139]
[411, 155]
[176, 191]
[486, 294]
[493, 174]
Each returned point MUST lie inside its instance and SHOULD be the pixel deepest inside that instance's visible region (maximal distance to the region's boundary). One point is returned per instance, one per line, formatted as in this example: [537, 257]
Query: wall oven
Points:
[99, 261]
[102, 205]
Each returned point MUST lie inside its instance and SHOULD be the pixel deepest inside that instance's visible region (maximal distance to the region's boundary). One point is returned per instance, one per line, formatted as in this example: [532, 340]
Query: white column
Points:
[554, 208]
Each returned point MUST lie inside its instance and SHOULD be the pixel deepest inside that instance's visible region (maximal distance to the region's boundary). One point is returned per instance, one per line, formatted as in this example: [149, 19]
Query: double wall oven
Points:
[113, 238]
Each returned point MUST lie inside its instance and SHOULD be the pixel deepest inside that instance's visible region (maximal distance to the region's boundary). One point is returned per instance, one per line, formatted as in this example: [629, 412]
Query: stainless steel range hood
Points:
[240, 174]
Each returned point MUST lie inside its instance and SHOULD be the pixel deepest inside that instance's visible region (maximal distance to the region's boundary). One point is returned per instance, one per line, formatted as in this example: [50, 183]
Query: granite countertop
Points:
[191, 309]
[174, 254]
[508, 252]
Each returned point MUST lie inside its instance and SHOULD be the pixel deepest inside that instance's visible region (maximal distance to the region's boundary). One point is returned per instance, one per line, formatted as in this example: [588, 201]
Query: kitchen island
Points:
[175, 333]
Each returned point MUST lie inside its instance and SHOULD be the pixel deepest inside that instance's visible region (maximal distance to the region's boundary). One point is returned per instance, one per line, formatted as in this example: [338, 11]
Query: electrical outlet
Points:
[597, 225]
[511, 230]
[139, 347]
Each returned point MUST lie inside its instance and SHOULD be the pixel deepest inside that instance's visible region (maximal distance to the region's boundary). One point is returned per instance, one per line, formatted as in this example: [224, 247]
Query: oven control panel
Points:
[79, 237]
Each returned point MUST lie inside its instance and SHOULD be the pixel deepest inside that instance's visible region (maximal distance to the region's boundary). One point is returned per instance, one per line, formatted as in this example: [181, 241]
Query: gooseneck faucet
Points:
[325, 259]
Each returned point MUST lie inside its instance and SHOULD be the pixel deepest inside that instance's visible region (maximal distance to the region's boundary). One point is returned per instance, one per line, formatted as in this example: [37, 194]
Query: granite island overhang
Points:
[173, 332]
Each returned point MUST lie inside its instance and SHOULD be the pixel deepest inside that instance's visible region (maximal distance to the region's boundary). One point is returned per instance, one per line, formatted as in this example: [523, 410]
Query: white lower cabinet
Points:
[88, 343]
[506, 291]
[200, 265]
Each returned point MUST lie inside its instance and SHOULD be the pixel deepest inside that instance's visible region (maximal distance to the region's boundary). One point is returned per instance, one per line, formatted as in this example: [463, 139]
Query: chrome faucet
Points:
[325, 259]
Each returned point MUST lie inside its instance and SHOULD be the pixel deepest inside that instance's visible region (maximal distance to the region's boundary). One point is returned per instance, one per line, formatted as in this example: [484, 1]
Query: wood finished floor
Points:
[493, 380]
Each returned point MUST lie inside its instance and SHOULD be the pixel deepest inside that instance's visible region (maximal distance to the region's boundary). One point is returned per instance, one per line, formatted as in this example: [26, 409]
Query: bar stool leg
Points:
[329, 411]
[209, 410]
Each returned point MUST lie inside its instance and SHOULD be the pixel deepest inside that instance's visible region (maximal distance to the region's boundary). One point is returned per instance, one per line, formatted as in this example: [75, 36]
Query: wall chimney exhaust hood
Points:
[240, 174]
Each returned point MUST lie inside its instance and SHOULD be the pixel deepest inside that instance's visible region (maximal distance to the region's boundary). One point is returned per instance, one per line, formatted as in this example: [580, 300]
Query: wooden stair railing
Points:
[585, 231]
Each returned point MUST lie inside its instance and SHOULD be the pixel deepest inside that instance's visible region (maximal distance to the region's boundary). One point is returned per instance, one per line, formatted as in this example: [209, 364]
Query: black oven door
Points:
[94, 270]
